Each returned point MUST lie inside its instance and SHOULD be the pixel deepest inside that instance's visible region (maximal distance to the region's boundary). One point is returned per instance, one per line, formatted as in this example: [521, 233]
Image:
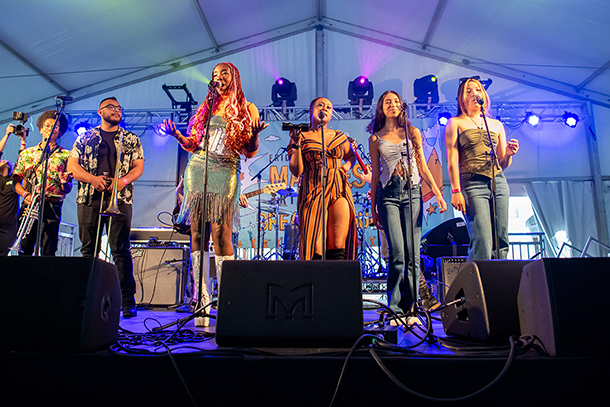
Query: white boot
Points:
[205, 290]
[219, 260]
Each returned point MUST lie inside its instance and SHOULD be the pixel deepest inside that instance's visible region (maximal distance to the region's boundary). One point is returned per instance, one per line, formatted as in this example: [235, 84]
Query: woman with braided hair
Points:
[233, 132]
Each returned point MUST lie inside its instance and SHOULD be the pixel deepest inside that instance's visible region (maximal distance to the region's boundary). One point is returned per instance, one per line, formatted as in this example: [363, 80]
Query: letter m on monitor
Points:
[289, 303]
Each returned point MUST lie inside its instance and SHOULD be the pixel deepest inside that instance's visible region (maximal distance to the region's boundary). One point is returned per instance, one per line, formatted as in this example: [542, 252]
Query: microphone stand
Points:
[415, 304]
[323, 180]
[44, 158]
[494, 162]
[204, 204]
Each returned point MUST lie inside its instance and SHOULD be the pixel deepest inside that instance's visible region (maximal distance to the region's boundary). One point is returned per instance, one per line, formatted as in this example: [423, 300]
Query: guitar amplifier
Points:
[161, 274]
[446, 270]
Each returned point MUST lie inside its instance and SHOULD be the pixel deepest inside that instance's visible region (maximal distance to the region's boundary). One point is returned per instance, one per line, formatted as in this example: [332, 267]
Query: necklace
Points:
[478, 126]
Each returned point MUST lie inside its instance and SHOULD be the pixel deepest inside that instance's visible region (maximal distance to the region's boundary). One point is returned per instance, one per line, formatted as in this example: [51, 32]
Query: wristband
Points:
[455, 191]
[295, 146]
[125, 181]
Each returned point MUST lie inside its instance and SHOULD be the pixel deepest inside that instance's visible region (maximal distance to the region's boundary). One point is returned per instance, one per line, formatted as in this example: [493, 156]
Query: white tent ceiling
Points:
[85, 48]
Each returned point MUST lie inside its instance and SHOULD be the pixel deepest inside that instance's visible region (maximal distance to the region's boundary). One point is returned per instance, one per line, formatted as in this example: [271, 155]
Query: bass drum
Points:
[291, 242]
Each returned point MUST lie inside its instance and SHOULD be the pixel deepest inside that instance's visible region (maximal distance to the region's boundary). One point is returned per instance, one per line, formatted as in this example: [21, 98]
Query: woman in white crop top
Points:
[390, 195]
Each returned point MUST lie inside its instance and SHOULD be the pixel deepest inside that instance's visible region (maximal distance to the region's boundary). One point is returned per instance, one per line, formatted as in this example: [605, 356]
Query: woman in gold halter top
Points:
[471, 170]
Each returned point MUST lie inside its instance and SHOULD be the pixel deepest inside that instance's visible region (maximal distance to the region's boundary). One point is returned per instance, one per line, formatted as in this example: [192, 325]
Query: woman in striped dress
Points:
[305, 154]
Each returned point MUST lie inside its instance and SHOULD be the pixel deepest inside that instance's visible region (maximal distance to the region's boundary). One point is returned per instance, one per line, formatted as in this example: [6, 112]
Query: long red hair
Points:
[237, 116]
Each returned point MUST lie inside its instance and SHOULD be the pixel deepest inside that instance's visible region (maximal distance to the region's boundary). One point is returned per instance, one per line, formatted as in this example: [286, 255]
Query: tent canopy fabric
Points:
[84, 48]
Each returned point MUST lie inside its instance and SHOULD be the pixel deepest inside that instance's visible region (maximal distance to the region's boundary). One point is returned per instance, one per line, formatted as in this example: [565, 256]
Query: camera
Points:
[287, 126]
[20, 117]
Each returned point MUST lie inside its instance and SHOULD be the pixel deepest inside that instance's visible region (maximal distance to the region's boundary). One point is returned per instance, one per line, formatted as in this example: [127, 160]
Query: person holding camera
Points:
[305, 152]
[9, 199]
[59, 183]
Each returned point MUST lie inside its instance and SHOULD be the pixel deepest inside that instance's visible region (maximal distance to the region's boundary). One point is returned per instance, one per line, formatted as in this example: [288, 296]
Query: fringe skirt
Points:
[223, 189]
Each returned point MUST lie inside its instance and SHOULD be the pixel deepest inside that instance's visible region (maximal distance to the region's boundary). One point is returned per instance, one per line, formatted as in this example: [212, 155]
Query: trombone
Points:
[112, 209]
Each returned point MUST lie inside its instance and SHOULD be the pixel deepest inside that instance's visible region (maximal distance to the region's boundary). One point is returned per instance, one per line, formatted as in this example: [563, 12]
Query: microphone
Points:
[321, 115]
[479, 98]
[213, 84]
[65, 98]
[403, 107]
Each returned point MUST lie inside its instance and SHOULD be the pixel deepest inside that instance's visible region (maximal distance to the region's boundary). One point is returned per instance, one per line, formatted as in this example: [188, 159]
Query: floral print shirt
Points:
[86, 150]
[27, 165]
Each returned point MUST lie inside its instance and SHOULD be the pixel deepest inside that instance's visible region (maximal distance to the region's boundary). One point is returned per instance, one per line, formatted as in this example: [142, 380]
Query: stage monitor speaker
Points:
[489, 312]
[161, 274]
[561, 301]
[290, 304]
[58, 304]
[450, 238]
[446, 270]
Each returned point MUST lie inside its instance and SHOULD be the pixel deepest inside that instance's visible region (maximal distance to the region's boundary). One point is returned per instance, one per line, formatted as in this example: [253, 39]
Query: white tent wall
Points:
[550, 152]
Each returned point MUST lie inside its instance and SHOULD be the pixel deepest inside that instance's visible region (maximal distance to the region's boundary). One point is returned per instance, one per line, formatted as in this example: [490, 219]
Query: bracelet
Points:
[455, 191]
[125, 181]
[295, 146]
[25, 195]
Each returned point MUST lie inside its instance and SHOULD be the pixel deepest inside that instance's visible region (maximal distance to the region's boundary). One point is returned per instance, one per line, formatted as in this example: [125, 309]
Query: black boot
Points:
[336, 254]
[317, 256]
[428, 301]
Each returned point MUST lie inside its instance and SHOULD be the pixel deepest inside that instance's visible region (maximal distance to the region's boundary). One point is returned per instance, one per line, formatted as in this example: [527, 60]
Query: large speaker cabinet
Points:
[161, 274]
[489, 312]
[58, 304]
[562, 302]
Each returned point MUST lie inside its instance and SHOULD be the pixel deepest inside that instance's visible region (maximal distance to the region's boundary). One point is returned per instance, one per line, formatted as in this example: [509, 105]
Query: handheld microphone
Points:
[479, 98]
[64, 98]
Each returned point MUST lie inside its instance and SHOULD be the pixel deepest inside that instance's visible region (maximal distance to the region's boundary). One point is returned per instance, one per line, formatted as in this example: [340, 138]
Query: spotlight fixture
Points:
[532, 119]
[283, 93]
[443, 118]
[81, 128]
[570, 119]
[425, 90]
[360, 91]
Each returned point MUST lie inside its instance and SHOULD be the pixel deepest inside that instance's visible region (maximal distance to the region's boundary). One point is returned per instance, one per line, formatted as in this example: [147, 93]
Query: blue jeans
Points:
[479, 215]
[393, 210]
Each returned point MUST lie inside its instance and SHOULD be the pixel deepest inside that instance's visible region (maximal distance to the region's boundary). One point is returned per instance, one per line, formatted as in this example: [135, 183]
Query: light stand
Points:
[494, 162]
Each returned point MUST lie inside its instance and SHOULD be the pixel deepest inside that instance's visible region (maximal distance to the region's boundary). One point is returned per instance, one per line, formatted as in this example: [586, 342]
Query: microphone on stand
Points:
[321, 115]
[213, 84]
[479, 98]
[403, 107]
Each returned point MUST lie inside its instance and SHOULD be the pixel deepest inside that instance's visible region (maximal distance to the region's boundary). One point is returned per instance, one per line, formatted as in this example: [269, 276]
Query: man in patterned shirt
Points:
[59, 183]
[94, 154]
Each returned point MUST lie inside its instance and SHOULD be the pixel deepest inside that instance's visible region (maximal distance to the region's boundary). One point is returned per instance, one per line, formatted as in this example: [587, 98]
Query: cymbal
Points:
[271, 209]
[290, 192]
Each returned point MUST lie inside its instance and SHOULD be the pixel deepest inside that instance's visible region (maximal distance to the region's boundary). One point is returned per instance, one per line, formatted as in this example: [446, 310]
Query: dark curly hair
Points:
[52, 114]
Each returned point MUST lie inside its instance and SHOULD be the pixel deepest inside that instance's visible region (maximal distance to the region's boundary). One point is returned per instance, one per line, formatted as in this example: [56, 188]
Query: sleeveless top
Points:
[474, 150]
[390, 155]
[218, 134]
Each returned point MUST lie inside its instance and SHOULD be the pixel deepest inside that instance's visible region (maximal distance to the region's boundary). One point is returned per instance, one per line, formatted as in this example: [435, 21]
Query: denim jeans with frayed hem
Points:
[479, 215]
[393, 210]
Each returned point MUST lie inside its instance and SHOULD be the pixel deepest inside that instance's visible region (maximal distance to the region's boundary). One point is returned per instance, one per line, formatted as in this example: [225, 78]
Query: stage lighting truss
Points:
[137, 121]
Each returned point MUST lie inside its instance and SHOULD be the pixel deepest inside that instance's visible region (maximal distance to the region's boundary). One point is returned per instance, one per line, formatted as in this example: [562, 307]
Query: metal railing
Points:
[524, 246]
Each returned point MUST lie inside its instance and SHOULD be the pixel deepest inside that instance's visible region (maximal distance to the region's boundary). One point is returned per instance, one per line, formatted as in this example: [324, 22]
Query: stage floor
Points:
[198, 372]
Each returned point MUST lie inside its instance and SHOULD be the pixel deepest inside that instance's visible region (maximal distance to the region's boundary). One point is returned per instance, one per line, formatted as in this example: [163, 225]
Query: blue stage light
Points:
[443, 118]
[81, 128]
[532, 119]
[570, 119]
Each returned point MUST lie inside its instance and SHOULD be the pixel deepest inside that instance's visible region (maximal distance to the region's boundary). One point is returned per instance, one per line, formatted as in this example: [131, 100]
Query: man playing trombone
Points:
[28, 174]
[106, 160]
